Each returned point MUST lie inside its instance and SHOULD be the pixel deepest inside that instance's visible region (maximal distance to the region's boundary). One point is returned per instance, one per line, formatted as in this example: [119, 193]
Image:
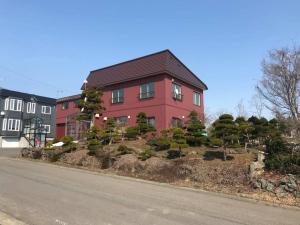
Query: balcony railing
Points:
[145, 95]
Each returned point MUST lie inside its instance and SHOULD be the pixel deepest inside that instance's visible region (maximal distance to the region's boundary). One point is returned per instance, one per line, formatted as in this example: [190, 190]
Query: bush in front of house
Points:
[174, 153]
[123, 150]
[281, 156]
[146, 154]
[67, 140]
[131, 133]
[160, 143]
[215, 142]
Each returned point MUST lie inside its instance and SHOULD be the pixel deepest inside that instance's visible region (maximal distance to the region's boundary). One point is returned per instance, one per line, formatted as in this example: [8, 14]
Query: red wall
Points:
[162, 106]
[132, 105]
[61, 115]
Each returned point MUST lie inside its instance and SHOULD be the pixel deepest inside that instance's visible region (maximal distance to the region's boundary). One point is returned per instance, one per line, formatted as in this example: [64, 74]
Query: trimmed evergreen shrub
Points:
[160, 143]
[146, 154]
[67, 140]
[123, 150]
[131, 132]
[173, 154]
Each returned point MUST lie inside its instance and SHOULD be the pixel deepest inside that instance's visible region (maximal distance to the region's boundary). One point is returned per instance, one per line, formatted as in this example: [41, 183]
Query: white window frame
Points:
[6, 104]
[197, 98]
[177, 87]
[19, 105]
[4, 122]
[44, 109]
[47, 128]
[13, 123]
[12, 104]
[31, 107]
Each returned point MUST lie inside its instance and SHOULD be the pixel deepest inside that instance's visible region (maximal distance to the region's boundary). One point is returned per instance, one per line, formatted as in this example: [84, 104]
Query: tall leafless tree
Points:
[280, 84]
[240, 109]
[257, 105]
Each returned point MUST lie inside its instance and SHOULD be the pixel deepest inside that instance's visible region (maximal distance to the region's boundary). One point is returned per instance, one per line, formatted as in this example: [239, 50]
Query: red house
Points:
[158, 84]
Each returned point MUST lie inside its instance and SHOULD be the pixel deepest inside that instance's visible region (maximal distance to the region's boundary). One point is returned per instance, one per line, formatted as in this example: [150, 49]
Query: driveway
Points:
[40, 193]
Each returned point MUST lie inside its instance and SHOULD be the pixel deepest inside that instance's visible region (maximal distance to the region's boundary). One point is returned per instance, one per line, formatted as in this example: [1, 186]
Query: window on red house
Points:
[147, 90]
[65, 106]
[176, 123]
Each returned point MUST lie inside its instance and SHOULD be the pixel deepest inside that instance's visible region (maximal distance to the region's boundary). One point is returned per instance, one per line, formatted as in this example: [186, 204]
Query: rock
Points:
[270, 186]
[257, 184]
[280, 192]
[256, 169]
[263, 183]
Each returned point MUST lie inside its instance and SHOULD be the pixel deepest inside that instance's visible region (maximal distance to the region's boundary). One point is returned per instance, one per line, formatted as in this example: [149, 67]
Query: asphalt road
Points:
[39, 193]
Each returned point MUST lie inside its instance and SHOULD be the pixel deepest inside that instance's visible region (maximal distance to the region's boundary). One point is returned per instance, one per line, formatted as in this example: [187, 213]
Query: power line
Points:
[25, 77]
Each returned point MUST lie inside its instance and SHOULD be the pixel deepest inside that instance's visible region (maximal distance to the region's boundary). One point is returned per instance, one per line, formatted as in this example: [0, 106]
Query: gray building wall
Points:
[23, 115]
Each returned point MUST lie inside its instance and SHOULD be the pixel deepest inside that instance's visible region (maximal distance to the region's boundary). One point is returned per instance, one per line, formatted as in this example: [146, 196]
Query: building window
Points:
[196, 98]
[65, 105]
[177, 95]
[47, 128]
[4, 122]
[19, 105]
[151, 121]
[147, 90]
[117, 96]
[121, 120]
[6, 103]
[31, 107]
[46, 109]
[13, 125]
[13, 104]
[176, 122]
[77, 103]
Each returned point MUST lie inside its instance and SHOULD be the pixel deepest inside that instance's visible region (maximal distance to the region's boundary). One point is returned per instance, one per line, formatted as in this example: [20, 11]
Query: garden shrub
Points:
[146, 154]
[123, 150]
[131, 132]
[160, 143]
[215, 142]
[280, 157]
[93, 146]
[174, 153]
[67, 140]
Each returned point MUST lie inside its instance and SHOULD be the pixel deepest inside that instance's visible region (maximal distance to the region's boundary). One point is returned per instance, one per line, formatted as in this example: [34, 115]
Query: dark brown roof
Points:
[149, 65]
[69, 98]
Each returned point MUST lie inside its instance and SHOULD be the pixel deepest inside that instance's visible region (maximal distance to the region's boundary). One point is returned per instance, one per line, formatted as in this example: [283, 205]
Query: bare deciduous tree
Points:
[280, 85]
[240, 109]
[257, 105]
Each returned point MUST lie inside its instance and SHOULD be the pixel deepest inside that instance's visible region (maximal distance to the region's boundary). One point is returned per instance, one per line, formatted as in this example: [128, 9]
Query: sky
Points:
[49, 47]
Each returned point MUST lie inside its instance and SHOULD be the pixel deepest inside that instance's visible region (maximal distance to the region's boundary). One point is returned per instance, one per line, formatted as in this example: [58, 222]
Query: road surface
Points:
[42, 194]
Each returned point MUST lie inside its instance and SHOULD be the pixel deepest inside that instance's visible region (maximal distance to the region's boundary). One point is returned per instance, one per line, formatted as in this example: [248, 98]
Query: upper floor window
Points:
[147, 90]
[31, 107]
[13, 104]
[77, 103]
[196, 98]
[65, 105]
[177, 94]
[117, 96]
[46, 109]
[13, 125]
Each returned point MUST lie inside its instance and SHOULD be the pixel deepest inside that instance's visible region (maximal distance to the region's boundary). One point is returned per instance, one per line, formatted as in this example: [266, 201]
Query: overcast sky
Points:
[48, 48]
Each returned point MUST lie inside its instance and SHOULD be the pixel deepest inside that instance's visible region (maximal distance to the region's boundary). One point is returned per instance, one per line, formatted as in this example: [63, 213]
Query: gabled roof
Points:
[149, 65]
[27, 96]
[69, 98]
